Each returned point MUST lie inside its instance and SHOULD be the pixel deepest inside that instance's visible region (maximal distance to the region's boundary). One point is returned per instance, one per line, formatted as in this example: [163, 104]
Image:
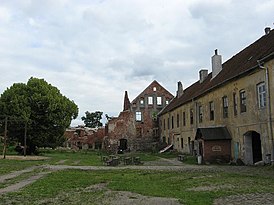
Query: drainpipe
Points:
[269, 109]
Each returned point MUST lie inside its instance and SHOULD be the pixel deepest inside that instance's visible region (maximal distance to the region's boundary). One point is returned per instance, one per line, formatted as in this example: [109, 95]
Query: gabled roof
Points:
[154, 83]
[244, 62]
[213, 133]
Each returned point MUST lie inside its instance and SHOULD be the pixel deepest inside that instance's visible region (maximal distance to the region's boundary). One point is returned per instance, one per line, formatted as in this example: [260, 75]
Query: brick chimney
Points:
[216, 61]
[180, 90]
[267, 30]
[203, 75]
[126, 102]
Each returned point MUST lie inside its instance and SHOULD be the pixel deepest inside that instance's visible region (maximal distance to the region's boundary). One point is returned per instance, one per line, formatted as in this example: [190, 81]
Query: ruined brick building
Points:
[84, 138]
[136, 127]
[228, 113]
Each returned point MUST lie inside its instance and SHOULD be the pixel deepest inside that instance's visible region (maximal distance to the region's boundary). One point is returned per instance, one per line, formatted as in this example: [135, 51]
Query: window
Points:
[178, 120]
[167, 102]
[150, 100]
[261, 95]
[159, 100]
[172, 122]
[200, 114]
[184, 119]
[168, 126]
[182, 143]
[142, 101]
[164, 124]
[191, 116]
[154, 88]
[242, 101]
[211, 110]
[138, 116]
[235, 104]
[225, 107]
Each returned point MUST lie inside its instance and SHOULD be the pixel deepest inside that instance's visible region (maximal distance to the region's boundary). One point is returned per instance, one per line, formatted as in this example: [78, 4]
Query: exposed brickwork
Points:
[138, 123]
[84, 138]
[126, 102]
[216, 149]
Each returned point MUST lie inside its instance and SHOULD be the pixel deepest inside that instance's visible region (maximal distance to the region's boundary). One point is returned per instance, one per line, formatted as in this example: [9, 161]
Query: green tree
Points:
[92, 119]
[47, 113]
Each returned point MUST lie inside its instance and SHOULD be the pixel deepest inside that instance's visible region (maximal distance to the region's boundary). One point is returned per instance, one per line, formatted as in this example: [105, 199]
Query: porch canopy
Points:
[212, 133]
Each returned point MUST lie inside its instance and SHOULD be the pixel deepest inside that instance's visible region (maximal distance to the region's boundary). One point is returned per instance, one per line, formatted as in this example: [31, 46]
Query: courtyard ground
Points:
[164, 180]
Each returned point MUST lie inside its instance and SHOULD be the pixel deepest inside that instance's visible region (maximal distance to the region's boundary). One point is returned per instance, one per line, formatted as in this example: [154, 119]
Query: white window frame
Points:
[261, 93]
[154, 89]
[159, 100]
[150, 100]
[138, 116]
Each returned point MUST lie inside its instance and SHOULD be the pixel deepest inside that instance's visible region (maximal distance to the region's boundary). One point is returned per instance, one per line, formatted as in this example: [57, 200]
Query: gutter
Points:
[269, 108]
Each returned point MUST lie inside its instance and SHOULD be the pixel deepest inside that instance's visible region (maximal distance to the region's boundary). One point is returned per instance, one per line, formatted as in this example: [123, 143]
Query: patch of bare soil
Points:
[129, 198]
[99, 194]
[247, 199]
[17, 157]
[62, 161]
[211, 188]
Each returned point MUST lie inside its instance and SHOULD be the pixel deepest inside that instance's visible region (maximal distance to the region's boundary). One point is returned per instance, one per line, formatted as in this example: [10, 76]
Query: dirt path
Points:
[16, 173]
[21, 184]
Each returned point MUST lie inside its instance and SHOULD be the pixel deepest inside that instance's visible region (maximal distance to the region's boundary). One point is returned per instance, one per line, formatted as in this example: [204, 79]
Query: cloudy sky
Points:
[94, 50]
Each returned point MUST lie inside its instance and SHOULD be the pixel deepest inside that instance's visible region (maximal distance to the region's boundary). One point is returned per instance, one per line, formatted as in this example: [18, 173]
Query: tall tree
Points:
[92, 119]
[47, 112]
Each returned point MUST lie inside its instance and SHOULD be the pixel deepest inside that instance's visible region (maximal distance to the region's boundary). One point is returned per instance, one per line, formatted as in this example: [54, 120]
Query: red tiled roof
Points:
[243, 62]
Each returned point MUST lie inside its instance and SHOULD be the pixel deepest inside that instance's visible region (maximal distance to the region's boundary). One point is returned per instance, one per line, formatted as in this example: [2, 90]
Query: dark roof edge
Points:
[220, 84]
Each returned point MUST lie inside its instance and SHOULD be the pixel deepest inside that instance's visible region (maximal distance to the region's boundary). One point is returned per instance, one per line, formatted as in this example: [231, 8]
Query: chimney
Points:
[267, 30]
[203, 75]
[126, 102]
[180, 90]
[216, 61]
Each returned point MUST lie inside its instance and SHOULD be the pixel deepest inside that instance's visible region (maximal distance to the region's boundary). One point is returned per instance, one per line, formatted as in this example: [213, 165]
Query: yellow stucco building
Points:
[227, 114]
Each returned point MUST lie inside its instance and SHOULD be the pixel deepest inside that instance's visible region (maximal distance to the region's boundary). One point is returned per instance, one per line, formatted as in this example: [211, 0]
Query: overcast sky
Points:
[94, 50]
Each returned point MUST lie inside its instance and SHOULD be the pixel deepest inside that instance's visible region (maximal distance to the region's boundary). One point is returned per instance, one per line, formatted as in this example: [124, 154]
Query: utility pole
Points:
[5, 138]
[25, 140]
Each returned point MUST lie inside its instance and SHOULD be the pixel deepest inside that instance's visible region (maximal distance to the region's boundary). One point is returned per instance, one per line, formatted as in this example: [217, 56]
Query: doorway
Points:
[123, 144]
[253, 147]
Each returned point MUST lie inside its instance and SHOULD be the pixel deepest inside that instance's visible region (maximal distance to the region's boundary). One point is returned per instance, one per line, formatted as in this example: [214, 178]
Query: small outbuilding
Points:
[214, 144]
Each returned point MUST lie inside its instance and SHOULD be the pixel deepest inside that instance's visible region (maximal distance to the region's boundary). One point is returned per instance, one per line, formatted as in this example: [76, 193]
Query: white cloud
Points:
[95, 50]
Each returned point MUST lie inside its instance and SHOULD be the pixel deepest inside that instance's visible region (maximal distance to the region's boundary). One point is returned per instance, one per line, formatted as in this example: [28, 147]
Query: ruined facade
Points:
[236, 97]
[84, 138]
[136, 127]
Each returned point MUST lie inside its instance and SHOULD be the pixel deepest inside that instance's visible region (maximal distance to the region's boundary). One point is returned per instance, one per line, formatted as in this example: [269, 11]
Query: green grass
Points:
[152, 183]
[7, 166]
[69, 187]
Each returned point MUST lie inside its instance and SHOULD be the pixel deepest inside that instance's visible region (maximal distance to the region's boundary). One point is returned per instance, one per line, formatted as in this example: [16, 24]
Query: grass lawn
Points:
[68, 187]
[72, 186]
